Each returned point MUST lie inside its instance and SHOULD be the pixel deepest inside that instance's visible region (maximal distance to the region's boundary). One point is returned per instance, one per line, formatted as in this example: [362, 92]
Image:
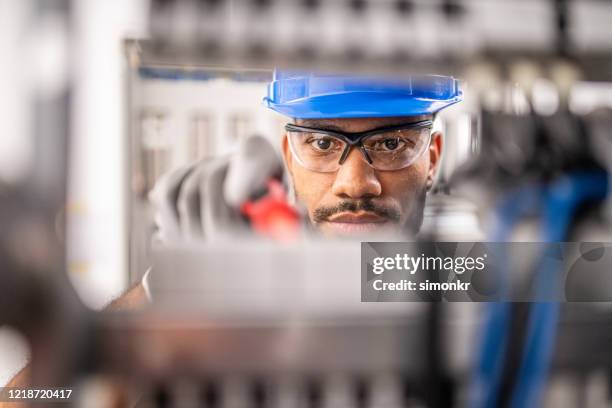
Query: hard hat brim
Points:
[312, 96]
[360, 105]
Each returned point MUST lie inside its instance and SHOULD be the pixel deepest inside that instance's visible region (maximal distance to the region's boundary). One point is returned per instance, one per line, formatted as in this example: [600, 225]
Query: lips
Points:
[355, 223]
[357, 218]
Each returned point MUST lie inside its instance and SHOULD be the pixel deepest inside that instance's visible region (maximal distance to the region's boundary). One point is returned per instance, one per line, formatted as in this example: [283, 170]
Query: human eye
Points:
[388, 144]
[323, 144]
[391, 143]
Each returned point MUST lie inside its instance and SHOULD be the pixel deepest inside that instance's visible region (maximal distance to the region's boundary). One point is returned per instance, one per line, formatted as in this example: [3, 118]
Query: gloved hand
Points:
[203, 200]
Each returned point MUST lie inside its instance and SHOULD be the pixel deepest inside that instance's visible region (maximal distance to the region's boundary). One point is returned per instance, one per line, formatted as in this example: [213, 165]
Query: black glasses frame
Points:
[356, 139]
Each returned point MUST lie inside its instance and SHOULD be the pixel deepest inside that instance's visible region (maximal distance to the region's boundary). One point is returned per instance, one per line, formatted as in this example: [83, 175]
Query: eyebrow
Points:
[323, 126]
[356, 137]
[313, 123]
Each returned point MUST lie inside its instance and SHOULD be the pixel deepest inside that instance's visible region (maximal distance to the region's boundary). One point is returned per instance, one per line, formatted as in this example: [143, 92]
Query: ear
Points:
[287, 155]
[435, 154]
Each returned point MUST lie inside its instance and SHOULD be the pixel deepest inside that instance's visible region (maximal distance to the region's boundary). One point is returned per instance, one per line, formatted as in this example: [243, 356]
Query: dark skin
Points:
[401, 191]
[333, 200]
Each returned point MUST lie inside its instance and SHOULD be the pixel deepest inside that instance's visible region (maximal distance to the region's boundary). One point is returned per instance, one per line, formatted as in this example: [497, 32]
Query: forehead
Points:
[356, 125]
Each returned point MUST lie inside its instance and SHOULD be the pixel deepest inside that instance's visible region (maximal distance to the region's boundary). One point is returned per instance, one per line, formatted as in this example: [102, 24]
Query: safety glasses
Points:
[388, 148]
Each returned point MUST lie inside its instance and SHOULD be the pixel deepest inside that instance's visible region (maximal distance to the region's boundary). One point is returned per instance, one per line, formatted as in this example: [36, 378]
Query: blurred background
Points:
[136, 113]
[103, 97]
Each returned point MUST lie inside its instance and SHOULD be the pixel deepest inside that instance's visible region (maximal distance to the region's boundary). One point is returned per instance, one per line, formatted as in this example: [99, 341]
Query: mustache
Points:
[324, 213]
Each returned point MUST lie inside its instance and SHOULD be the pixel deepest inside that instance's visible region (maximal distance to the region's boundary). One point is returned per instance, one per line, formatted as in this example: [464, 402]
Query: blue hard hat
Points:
[318, 96]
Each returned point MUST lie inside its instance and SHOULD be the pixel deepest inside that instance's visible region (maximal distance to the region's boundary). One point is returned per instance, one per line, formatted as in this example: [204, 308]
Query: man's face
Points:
[358, 199]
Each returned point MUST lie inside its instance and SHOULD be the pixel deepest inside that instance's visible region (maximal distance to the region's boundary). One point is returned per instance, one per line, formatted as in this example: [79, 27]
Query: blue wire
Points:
[558, 205]
[563, 199]
[489, 366]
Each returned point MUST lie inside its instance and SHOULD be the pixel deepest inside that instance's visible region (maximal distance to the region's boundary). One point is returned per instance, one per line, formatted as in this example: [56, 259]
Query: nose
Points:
[356, 179]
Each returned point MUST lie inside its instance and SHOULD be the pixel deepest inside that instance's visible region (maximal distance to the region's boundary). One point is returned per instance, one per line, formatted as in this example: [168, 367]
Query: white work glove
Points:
[203, 200]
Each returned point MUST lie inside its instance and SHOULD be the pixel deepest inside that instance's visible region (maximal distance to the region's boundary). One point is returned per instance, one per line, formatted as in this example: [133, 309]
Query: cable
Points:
[489, 366]
[557, 204]
[563, 199]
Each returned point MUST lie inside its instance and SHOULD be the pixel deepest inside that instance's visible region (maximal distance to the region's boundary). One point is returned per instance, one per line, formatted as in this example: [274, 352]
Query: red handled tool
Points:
[272, 216]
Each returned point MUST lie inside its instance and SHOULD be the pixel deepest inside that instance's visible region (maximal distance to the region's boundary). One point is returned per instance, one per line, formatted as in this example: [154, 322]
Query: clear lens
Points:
[392, 150]
[398, 149]
[316, 151]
